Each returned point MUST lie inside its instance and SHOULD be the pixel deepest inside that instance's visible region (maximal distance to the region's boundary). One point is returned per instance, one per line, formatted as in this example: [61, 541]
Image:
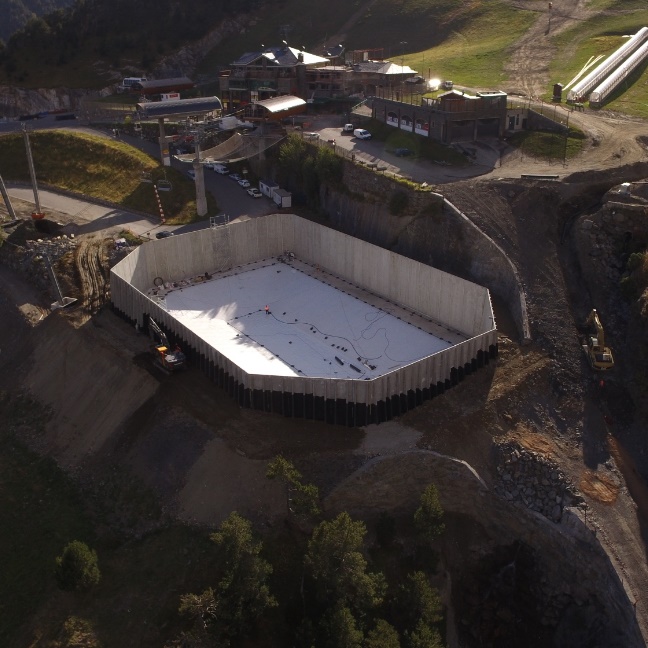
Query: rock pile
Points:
[532, 479]
[29, 261]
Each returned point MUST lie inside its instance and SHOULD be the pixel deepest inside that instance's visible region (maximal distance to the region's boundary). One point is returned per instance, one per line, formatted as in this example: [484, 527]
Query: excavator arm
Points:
[594, 320]
[600, 357]
[157, 332]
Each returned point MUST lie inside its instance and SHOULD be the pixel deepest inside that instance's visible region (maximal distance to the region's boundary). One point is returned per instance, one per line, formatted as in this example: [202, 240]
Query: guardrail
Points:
[539, 176]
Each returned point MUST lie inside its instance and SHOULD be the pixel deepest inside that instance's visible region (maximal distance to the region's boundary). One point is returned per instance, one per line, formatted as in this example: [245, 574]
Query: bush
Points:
[77, 568]
[398, 203]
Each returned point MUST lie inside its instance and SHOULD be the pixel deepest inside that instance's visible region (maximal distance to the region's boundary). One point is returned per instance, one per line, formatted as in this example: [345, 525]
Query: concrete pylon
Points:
[164, 144]
[199, 171]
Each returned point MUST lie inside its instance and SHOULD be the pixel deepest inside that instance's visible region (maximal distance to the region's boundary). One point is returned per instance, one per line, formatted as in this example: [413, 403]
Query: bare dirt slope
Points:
[528, 65]
[202, 456]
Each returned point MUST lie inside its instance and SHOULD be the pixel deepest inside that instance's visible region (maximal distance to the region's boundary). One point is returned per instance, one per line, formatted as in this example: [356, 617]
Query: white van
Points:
[361, 133]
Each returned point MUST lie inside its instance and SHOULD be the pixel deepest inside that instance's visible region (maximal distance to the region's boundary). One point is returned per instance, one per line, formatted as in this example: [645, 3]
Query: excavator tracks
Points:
[92, 265]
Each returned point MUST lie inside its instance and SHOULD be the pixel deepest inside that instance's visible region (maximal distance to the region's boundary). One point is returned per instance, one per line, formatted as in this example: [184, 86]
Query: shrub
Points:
[77, 568]
[398, 203]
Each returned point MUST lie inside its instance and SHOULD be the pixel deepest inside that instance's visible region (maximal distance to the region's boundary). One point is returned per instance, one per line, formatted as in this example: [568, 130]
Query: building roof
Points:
[284, 56]
[151, 86]
[334, 51]
[278, 104]
[179, 107]
[382, 67]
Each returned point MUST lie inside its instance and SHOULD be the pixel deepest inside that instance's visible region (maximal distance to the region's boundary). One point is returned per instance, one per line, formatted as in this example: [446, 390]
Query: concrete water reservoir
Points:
[293, 317]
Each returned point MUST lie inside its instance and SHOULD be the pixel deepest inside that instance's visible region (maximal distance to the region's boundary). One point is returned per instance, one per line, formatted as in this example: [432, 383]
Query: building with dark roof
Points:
[276, 71]
[453, 116]
[199, 106]
[366, 78]
[159, 86]
[271, 72]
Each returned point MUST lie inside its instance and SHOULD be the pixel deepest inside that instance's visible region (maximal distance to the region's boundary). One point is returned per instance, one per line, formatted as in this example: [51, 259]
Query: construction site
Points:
[299, 319]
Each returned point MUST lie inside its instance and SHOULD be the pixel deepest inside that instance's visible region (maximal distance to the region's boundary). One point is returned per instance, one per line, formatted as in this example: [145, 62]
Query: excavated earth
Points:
[541, 468]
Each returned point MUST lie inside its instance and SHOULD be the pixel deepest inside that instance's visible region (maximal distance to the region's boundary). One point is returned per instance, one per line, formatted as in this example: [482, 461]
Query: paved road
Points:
[86, 217]
[81, 217]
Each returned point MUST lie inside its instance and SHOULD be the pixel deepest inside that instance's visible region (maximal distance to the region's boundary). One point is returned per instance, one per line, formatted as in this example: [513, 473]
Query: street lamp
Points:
[402, 88]
[402, 44]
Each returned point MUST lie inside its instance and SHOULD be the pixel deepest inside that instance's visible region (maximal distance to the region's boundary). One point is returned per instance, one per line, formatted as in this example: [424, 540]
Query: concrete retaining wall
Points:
[438, 295]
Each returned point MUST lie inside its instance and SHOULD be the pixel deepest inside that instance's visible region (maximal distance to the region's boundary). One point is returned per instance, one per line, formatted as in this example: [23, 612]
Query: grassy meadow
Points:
[100, 168]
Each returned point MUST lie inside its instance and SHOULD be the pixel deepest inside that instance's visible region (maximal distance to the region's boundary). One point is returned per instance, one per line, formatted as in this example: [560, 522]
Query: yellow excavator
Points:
[599, 356]
[166, 358]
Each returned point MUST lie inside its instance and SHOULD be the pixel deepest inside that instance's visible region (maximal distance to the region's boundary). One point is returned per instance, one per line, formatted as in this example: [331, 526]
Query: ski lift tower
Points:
[37, 214]
[198, 134]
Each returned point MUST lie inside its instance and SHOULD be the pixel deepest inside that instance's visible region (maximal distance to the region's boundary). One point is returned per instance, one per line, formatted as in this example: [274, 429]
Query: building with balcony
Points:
[453, 116]
[362, 79]
[277, 71]
[271, 72]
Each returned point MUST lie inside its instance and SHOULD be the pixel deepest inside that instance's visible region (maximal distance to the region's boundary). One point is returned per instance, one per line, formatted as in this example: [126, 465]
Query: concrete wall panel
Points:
[442, 297]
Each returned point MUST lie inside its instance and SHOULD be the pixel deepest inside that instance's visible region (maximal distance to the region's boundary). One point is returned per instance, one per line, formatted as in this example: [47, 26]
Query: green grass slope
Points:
[601, 35]
[101, 168]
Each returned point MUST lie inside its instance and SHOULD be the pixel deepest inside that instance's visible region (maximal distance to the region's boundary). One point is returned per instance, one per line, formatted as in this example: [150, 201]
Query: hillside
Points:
[17, 13]
[500, 44]
[98, 445]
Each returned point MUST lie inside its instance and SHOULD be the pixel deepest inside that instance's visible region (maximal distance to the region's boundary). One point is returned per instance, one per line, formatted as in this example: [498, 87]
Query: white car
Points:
[235, 176]
[244, 183]
[254, 192]
[312, 135]
[192, 174]
[361, 133]
[221, 168]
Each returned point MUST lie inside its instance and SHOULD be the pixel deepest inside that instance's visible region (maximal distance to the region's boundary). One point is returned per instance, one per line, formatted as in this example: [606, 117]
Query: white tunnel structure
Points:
[582, 89]
[602, 91]
[419, 291]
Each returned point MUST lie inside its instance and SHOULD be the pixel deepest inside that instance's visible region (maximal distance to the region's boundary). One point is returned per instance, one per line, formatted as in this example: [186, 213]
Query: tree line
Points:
[112, 31]
[333, 589]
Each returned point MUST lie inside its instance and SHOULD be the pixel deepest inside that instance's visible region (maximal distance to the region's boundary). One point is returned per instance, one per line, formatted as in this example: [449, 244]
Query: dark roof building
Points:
[271, 72]
[158, 86]
[180, 107]
[453, 116]
[276, 71]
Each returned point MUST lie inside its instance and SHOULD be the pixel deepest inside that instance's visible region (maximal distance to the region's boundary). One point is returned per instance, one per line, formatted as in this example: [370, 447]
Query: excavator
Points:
[599, 356]
[168, 359]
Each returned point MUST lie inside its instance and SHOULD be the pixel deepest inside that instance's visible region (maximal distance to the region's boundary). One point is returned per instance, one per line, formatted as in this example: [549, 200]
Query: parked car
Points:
[235, 176]
[311, 135]
[244, 183]
[347, 129]
[192, 174]
[361, 133]
[221, 168]
[402, 152]
[254, 192]
[163, 234]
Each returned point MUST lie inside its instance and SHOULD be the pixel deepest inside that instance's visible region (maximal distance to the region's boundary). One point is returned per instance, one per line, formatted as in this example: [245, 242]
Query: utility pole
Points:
[199, 173]
[5, 196]
[566, 141]
[37, 214]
